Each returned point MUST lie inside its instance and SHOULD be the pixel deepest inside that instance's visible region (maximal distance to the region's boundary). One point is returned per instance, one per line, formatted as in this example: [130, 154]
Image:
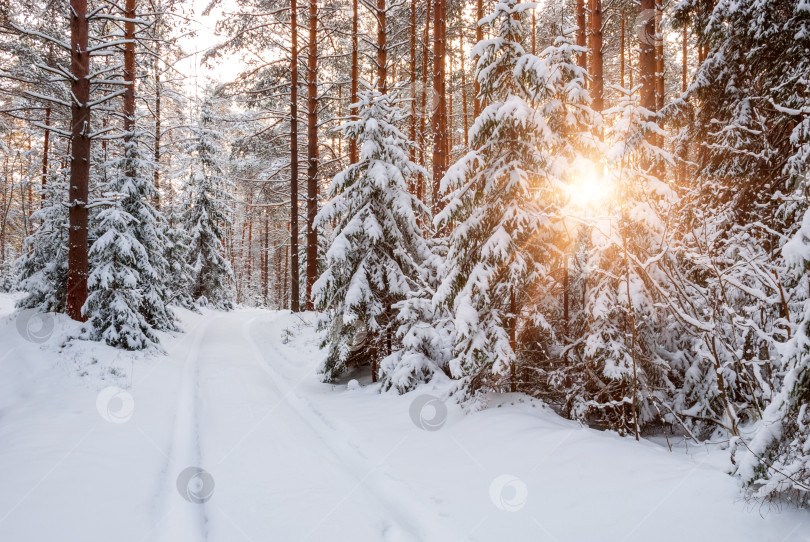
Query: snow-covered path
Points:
[231, 437]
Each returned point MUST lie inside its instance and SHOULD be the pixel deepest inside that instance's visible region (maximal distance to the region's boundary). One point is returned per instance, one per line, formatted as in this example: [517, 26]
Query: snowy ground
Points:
[95, 445]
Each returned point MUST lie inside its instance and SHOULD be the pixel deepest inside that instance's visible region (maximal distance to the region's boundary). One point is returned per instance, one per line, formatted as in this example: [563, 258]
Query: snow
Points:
[96, 440]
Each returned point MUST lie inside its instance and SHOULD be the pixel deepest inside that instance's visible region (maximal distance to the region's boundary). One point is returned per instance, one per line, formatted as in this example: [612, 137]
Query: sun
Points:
[589, 189]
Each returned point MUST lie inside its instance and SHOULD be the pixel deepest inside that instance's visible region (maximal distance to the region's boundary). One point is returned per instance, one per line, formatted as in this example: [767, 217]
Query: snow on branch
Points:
[46, 98]
[41, 35]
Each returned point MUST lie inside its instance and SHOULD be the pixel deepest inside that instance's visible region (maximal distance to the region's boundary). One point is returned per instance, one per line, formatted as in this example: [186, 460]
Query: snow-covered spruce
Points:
[776, 464]
[504, 199]
[126, 294]
[180, 271]
[627, 336]
[207, 197]
[116, 258]
[375, 258]
[41, 270]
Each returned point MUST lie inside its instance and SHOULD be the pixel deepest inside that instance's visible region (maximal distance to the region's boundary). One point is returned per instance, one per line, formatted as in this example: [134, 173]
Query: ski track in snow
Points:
[184, 523]
[396, 497]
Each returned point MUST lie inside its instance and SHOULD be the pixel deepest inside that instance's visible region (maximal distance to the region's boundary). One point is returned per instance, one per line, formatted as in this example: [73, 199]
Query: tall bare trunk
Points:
[646, 60]
[596, 66]
[621, 48]
[79, 161]
[464, 95]
[312, 152]
[158, 127]
[479, 36]
[659, 60]
[420, 180]
[45, 151]
[684, 57]
[439, 98]
[382, 52]
[295, 296]
[129, 78]
[414, 108]
[582, 58]
[355, 76]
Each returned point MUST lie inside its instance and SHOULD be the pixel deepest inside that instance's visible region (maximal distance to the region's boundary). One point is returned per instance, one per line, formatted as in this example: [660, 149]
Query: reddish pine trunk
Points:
[355, 77]
[646, 59]
[129, 75]
[79, 162]
[420, 181]
[382, 53]
[312, 153]
[596, 67]
[684, 72]
[479, 36]
[294, 266]
[412, 122]
[621, 49]
[464, 99]
[45, 150]
[582, 58]
[158, 133]
[659, 61]
[439, 98]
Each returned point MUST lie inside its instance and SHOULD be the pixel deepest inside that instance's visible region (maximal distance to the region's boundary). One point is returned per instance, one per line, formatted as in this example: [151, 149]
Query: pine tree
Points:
[207, 212]
[377, 248]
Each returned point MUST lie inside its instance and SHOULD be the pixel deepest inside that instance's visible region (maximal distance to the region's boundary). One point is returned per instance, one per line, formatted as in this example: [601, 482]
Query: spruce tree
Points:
[504, 198]
[41, 269]
[377, 249]
[117, 259]
[207, 213]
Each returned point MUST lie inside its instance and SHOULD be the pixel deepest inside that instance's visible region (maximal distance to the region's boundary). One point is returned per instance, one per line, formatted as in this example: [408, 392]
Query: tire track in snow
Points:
[183, 521]
[398, 498]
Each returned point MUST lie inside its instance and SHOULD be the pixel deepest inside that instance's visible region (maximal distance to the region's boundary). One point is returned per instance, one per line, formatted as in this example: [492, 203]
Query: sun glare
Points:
[589, 189]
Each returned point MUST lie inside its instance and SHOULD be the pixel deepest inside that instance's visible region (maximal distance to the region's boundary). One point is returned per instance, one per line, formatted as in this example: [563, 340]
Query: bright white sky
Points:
[225, 69]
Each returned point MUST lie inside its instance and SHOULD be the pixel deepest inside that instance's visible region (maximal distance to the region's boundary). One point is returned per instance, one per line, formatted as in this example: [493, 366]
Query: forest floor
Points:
[95, 445]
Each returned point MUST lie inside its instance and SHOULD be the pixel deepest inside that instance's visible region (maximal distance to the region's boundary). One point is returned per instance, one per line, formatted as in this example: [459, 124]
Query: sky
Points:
[225, 68]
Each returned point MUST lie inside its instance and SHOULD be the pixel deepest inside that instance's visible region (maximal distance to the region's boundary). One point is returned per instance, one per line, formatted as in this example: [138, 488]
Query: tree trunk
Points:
[684, 66]
[596, 66]
[129, 78]
[312, 152]
[582, 58]
[464, 95]
[355, 77]
[659, 61]
[294, 266]
[439, 99]
[45, 149]
[382, 53]
[513, 339]
[646, 59]
[420, 180]
[479, 36]
[412, 120]
[266, 263]
[621, 48]
[79, 161]
[158, 133]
